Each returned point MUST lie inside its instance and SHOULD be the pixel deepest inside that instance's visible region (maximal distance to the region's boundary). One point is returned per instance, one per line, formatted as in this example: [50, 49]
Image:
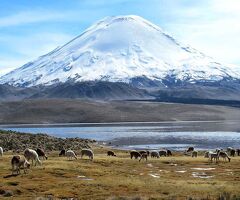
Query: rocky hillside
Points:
[16, 141]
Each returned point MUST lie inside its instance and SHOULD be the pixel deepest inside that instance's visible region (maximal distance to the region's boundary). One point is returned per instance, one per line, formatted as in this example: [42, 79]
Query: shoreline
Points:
[99, 124]
[140, 137]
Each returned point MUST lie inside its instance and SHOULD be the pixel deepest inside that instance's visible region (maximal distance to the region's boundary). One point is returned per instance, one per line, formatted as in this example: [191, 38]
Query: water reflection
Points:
[175, 136]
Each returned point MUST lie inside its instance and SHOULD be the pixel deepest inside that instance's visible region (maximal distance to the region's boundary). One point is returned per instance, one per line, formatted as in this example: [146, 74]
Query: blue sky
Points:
[29, 29]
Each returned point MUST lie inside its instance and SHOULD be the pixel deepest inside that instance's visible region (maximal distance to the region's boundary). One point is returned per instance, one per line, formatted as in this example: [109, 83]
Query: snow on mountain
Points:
[119, 49]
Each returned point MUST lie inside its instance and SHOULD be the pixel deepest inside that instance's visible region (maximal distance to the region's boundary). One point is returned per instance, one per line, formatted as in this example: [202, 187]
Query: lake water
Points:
[172, 135]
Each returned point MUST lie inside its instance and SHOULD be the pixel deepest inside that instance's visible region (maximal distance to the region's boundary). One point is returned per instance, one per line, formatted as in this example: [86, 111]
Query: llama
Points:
[169, 152]
[87, 152]
[17, 163]
[1, 151]
[162, 153]
[154, 154]
[111, 153]
[70, 155]
[41, 153]
[194, 154]
[238, 152]
[232, 152]
[229, 149]
[31, 154]
[214, 156]
[207, 154]
[135, 154]
[143, 151]
[62, 152]
[224, 155]
[143, 156]
[190, 149]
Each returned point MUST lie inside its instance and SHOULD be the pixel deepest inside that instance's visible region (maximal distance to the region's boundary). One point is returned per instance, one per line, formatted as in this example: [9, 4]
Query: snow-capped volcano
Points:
[119, 49]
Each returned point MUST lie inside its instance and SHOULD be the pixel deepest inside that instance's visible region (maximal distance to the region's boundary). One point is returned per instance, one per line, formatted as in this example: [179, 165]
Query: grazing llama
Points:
[31, 154]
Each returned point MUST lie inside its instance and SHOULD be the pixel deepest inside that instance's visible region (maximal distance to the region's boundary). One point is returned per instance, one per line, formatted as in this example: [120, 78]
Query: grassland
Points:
[122, 178]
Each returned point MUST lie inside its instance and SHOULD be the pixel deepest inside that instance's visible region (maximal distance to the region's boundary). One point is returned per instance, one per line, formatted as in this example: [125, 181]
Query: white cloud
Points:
[26, 17]
[7, 64]
[37, 16]
[36, 44]
[218, 39]
[28, 48]
[226, 6]
[211, 27]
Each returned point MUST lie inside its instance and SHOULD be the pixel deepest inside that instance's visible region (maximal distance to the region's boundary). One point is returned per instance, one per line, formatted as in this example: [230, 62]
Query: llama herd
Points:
[23, 162]
[70, 154]
[220, 153]
[19, 162]
[29, 155]
[217, 154]
[144, 154]
[213, 156]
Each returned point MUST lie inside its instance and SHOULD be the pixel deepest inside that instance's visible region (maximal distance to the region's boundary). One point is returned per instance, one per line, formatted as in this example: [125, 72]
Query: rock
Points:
[8, 193]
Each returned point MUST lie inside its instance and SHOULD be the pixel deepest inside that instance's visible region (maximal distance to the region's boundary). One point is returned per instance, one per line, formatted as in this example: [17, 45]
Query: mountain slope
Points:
[84, 111]
[92, 90]
[120, 49]
[8, 92]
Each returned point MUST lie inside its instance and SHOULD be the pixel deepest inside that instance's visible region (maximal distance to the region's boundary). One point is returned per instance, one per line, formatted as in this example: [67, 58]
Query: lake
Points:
[172, 135]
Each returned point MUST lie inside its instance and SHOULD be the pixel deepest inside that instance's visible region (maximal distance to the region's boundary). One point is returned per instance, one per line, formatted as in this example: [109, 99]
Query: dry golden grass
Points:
[114, 177]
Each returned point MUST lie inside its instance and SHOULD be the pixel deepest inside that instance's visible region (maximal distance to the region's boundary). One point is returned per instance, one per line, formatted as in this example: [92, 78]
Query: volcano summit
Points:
[120, 49]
